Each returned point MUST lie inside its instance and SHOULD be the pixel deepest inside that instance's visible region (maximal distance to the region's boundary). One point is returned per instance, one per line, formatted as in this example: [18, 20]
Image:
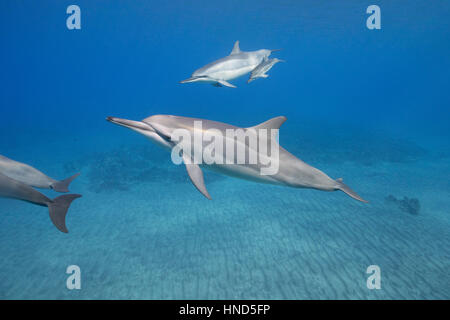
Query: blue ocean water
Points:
[371, 106]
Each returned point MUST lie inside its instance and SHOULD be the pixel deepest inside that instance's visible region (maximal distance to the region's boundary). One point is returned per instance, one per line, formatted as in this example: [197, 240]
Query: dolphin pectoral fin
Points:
[196, 175]
[226, 83]
[63, 185]
[343, 187]
[216, 84]
[236, 48]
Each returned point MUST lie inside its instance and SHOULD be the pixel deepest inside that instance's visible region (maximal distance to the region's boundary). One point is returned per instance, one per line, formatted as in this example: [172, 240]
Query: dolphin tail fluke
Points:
[58, 210]
[343, 187]
[63, 185]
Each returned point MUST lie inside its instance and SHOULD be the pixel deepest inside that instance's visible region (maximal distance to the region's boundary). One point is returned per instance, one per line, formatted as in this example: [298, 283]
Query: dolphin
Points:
[292, 171]
[262, 68]
[31, 176]
[10, 188]
[233, 66]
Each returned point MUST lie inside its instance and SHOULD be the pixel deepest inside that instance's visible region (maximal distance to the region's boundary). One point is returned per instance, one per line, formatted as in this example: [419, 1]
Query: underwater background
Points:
[371, 106]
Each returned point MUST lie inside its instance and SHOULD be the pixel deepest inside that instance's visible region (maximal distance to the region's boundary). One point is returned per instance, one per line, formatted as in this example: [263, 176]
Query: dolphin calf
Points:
[262, 68]
[10, 188]
[233, 66]
[31, 176]
[291, 172]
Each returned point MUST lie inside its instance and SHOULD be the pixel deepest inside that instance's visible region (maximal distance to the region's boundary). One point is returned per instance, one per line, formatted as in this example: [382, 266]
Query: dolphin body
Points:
[262, 68]
[233, 66]
[292, 171]
[31, 176]
[10, 188]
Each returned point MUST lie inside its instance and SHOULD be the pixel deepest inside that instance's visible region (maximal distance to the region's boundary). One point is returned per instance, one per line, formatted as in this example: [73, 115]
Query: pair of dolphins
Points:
[235, 65]
[18, 179]
[292, 171]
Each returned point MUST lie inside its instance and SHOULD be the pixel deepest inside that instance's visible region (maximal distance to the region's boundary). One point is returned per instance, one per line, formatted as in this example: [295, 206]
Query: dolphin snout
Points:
[188, 80]
[129, 123]
[116, 120]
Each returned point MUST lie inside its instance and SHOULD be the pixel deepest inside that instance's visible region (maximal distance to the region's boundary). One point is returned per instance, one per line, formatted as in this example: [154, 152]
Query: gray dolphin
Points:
[31, 176]
[10, 188]
[262, 68]
[292, 171]
[235, 65]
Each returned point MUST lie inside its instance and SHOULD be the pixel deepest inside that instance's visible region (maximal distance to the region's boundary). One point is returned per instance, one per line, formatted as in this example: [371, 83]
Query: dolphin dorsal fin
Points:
[274, 123]
[236, 49]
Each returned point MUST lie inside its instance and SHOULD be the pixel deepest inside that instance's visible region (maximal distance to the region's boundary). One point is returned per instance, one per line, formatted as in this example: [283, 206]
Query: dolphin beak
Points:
[191, 79]
[275, 50]
[130, 124]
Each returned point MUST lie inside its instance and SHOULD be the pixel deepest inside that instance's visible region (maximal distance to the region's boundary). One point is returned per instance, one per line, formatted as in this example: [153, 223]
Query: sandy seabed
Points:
[142, 231]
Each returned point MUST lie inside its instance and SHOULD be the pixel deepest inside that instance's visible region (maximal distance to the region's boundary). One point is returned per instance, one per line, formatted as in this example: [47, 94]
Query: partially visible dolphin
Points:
[230, 67]
[10, 188]
[31, 176]
[292, 171]
[262, 68]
